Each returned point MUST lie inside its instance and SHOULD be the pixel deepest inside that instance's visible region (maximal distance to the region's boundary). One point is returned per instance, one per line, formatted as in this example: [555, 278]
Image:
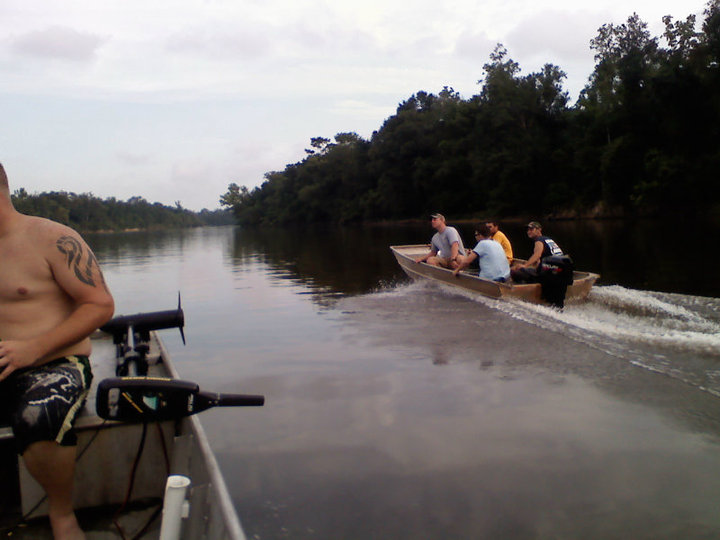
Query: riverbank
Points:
[570, 215]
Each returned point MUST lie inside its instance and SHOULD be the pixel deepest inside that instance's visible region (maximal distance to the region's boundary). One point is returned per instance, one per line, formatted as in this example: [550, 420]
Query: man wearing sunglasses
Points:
[491, 256]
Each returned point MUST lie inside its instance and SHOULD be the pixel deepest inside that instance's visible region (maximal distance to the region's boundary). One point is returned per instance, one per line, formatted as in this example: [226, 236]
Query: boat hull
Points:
[529, 292]
[103, 471]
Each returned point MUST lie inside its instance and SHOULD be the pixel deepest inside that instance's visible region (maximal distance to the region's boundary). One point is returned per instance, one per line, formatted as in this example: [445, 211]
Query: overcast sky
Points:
[174, 99]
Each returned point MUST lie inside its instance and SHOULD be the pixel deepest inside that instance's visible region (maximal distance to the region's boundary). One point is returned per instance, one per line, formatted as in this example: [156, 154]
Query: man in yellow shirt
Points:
[497, 235]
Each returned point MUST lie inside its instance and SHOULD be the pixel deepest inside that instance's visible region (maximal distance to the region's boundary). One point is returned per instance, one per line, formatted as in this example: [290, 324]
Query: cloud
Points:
[134, 159]
[333, 38]
[474, 45]
[222, 43]
[557, 37]
[306, 40]
[361, 109]
[556, 34]
[58, 42]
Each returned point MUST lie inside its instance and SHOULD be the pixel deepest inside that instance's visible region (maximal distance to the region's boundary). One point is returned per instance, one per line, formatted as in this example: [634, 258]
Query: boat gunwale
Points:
[231, 519]
[581, 279]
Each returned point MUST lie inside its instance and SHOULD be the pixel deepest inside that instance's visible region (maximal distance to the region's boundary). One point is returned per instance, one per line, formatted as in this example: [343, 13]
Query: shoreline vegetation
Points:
[640, 141]
[89, 214]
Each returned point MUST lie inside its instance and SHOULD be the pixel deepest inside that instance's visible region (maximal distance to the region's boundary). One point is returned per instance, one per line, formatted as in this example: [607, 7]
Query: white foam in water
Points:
[394, 289]
[631, 315]
[611, 312]
[651, 330]
[640, 317]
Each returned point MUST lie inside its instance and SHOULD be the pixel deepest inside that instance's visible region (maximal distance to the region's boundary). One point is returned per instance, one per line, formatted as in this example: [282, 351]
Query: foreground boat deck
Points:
[106, 452]
[103, 461]
[97, 523]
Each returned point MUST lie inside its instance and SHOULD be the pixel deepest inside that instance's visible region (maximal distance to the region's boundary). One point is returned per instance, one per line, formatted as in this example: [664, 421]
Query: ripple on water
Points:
[675, 335]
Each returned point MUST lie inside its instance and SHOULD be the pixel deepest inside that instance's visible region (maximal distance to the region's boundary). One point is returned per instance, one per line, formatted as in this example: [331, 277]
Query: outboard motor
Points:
[555, 273]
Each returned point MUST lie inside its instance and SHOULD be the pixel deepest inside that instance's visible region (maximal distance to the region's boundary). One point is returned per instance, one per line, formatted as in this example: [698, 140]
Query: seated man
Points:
[497, 235]
[490, 255]
[52, 297]
[544, 247]
[446, 248]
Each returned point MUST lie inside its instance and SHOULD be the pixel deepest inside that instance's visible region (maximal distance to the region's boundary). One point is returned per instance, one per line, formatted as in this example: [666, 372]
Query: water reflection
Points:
[642, 254]
[330, 262]
[119, 248]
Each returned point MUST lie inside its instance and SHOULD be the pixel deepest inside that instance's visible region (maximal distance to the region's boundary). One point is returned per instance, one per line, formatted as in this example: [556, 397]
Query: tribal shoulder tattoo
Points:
[80, 260]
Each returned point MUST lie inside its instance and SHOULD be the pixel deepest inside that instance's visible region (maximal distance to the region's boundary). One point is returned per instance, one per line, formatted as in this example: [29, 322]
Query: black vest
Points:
[549, 247]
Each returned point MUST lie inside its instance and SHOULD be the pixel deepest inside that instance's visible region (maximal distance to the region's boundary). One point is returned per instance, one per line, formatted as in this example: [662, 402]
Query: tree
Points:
[86, 212]
[641, 138]
[320, 145]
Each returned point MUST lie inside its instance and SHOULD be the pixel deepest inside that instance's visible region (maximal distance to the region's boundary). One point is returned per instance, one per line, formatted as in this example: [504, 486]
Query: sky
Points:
[172, 100]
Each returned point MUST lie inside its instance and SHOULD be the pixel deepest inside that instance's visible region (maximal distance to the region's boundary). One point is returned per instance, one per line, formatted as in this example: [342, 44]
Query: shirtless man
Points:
[446, 248]
[52, 297]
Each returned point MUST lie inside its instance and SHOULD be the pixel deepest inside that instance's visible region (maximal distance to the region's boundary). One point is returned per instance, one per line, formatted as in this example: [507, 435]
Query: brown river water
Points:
[402, 410]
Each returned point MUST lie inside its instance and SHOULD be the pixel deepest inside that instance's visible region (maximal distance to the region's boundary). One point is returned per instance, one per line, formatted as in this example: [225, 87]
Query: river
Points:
[401, 410]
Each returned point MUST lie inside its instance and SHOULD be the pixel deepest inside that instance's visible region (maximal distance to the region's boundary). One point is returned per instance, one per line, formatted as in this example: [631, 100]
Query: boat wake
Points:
[672, 334]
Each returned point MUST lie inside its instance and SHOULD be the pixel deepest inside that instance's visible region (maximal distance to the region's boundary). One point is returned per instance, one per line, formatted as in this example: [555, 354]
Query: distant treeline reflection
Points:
[88, 213]
[641, 139]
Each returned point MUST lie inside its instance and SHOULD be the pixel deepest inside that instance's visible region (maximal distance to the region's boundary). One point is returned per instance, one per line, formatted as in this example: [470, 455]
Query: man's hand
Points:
[16, 355]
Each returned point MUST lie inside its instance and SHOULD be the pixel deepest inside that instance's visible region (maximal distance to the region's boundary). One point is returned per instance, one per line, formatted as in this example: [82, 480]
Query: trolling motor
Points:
[131, 336]
[143, 399]
[134, 397]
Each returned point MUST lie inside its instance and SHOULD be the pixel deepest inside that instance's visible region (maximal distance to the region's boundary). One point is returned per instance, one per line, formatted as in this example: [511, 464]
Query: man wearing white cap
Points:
[446, 248]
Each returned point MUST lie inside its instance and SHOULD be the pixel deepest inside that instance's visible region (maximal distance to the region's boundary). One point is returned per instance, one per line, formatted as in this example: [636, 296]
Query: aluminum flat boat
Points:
[469, 280]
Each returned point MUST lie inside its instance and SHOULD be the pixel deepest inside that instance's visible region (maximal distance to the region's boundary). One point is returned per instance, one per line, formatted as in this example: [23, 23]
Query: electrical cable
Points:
[131, 482]
[158, 510]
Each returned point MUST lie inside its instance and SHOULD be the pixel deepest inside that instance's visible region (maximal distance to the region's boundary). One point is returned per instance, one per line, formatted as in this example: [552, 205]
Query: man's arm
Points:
[424, 257]
[535, 257]
[466, 261]
[78, 275]
[429, 254]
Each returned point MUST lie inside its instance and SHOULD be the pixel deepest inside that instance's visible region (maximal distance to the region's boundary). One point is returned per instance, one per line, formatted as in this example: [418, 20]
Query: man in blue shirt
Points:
[490, 254]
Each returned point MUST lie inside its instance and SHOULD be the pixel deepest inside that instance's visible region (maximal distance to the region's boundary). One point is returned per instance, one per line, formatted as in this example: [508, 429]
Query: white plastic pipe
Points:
[174, 507]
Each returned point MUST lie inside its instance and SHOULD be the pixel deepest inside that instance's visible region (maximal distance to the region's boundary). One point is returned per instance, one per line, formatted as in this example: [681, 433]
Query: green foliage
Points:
[87, 213]
[642, 138]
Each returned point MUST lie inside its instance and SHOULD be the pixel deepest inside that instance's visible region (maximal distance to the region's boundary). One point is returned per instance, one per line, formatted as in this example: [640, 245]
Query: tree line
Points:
[642, 138]
[88, 213]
